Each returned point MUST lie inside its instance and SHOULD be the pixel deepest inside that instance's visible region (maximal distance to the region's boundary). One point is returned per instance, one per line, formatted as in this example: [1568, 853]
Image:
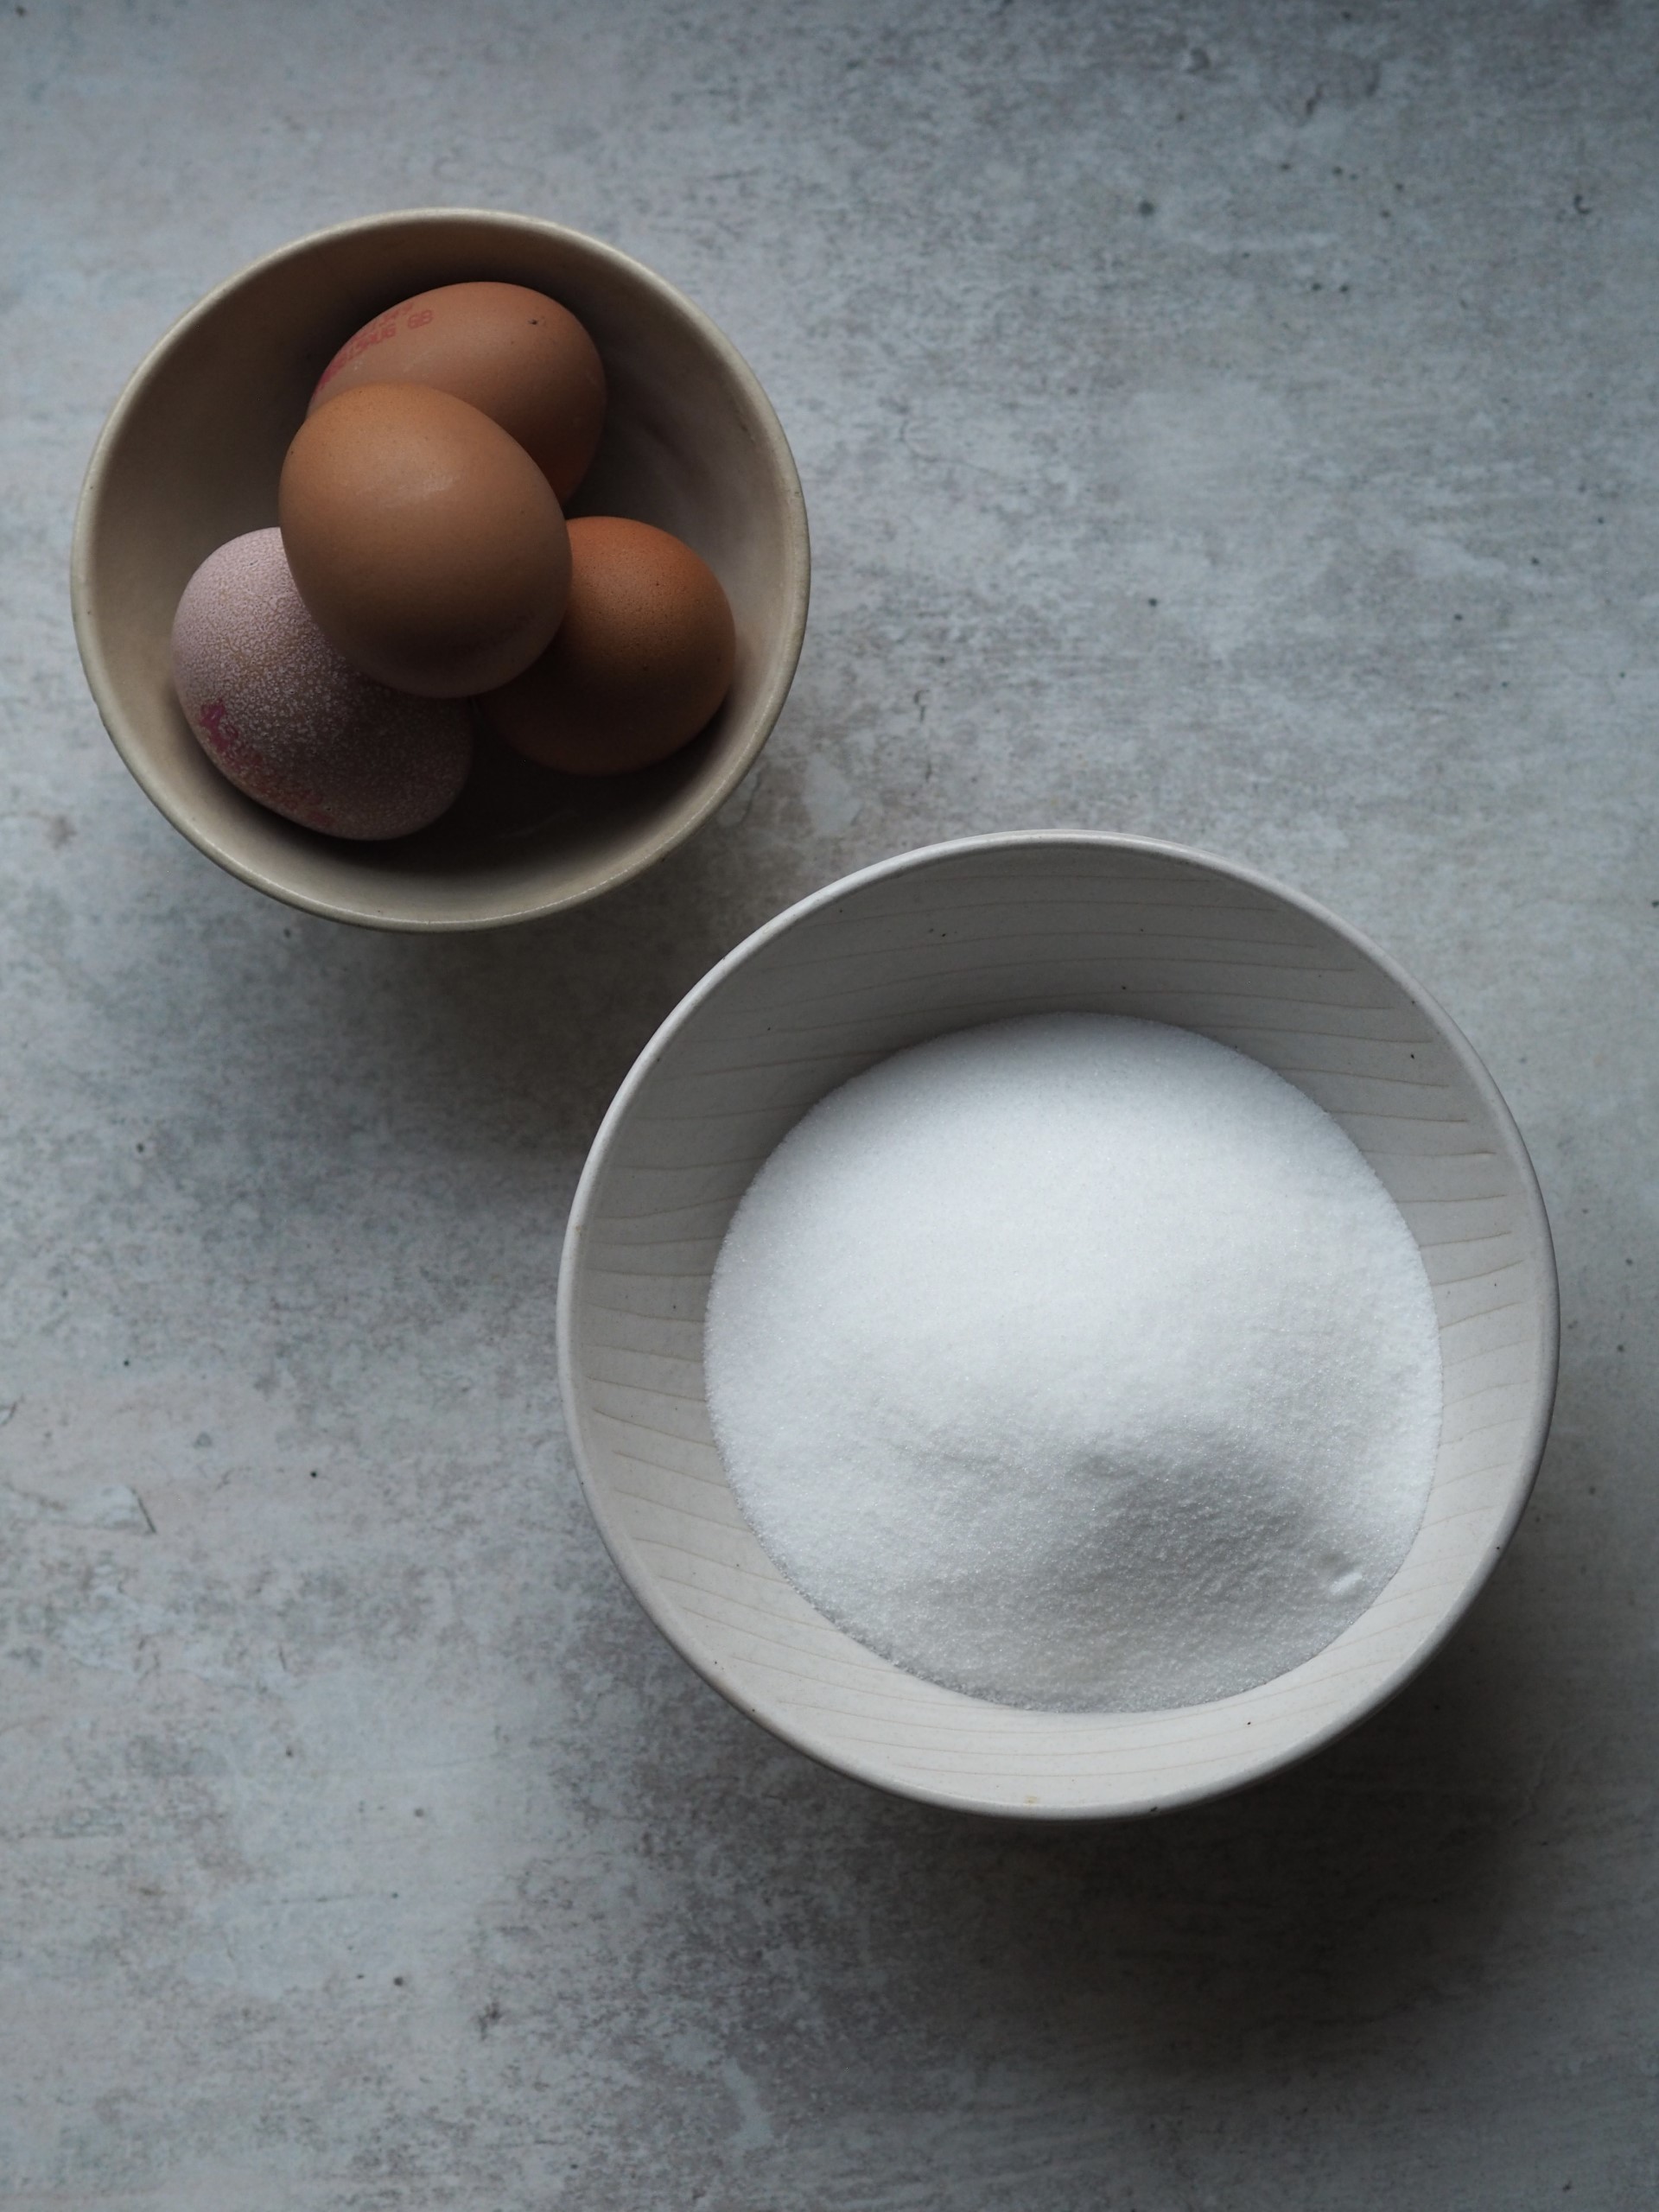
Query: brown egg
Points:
[424, 540]
[290, 721]
[514, 354]
[642, 660]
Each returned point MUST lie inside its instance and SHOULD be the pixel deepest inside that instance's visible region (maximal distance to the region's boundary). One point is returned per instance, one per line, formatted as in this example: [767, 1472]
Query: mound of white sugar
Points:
[1079, 1362]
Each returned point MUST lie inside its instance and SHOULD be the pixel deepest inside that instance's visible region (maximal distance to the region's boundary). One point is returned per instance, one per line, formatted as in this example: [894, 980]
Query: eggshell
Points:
[424, 540]
[644, 657]
[515, 355]
[289, 720]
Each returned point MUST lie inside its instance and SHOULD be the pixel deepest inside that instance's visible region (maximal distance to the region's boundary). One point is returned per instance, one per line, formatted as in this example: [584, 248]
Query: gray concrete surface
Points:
[1235, 423]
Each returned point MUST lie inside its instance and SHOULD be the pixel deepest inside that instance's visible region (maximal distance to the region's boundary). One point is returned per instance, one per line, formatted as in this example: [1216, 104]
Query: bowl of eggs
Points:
[440, 570]
[1058, 1326]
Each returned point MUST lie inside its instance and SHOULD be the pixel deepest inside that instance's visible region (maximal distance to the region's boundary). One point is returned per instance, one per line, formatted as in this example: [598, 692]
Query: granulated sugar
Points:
[1076, 1361]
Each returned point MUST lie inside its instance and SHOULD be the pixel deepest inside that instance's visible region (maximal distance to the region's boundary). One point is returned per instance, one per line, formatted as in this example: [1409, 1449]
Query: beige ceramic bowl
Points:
[937, 941]
[190, 457]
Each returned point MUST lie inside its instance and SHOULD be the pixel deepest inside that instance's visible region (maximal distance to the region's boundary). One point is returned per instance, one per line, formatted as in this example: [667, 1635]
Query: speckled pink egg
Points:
[289, 720]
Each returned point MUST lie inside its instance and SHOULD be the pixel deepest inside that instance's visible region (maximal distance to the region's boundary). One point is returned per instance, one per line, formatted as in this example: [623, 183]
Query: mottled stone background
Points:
[1232, 422]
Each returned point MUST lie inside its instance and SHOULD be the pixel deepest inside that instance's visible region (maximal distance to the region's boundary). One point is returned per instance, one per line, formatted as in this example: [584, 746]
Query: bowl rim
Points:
[868, 1771]
[667, 837]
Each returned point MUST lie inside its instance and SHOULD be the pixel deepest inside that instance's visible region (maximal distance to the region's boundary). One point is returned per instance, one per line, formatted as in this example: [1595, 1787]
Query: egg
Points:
[514, 354]
[424, 540]
[290, 721]
[644, 657]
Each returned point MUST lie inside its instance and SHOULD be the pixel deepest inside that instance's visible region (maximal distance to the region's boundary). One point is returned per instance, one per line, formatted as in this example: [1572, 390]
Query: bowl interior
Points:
[974, 934]
[191, 457]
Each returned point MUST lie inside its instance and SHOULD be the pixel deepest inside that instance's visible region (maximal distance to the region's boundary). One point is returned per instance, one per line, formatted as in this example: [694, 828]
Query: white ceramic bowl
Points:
[190, 457]
[939, 940]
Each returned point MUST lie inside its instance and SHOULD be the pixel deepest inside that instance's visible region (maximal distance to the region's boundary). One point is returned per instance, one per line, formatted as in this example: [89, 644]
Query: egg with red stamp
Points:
[288, 720]
[424, 540]
[515, 355]
[641, 662]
